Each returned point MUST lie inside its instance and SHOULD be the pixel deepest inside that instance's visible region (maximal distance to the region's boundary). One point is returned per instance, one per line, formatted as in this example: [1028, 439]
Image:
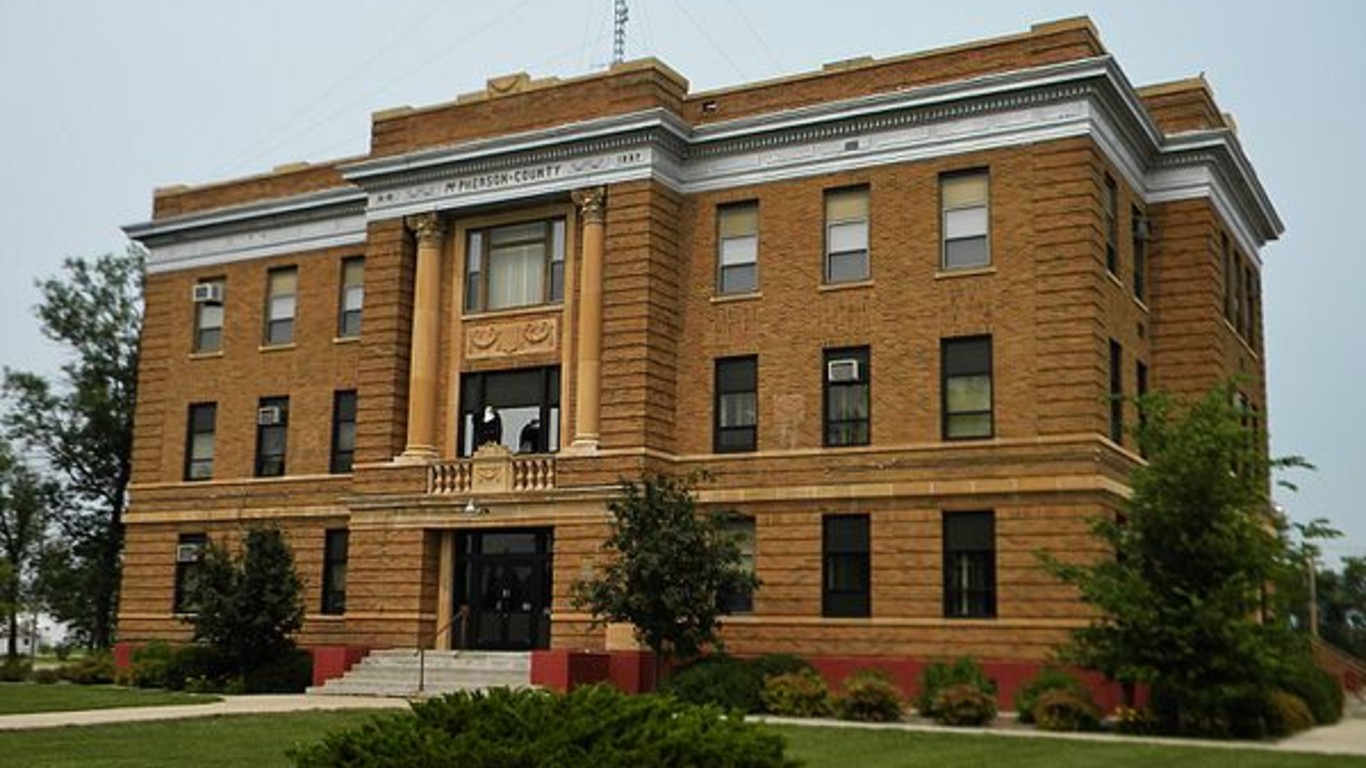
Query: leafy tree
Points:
[1196, 547]
[23, 506]
[82, 424]
[668, 571]
[248, 608]
[1342, 605]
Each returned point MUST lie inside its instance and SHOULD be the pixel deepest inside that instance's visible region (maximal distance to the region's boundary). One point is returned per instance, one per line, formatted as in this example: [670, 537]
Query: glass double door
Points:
[504, 589]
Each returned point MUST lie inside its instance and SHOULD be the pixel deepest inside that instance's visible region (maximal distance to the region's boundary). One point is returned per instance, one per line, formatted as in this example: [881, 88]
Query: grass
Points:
[23, 698]
[261, 740]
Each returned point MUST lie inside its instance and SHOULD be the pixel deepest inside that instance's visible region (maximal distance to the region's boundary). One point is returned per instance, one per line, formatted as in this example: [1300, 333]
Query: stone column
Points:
[445, 600]
[592, 203]
[425, 350]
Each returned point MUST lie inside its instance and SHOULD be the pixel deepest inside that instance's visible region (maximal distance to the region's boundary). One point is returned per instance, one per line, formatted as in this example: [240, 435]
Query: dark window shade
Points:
[736, 407]
[847, 567]
[969, 564]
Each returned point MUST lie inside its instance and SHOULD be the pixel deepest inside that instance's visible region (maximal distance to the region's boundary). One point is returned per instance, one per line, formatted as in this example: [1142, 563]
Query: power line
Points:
[707, 36]
[763, 44]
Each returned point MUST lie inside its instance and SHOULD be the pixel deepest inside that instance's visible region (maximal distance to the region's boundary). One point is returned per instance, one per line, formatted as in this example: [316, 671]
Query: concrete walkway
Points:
[230, 705]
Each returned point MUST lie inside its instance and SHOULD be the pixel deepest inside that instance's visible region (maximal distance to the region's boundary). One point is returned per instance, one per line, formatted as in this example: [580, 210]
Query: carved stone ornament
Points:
[592, 203]
[426, 227]
[511, 337]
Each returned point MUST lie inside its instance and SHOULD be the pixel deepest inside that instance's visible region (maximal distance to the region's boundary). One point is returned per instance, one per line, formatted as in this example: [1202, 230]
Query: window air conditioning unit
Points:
[208, 293]
[270, 416]
[1143, 229]
[837, 371]
[188, 553]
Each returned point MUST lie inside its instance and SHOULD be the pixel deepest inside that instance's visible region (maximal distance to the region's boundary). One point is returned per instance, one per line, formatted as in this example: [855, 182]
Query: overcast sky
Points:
[101, 101]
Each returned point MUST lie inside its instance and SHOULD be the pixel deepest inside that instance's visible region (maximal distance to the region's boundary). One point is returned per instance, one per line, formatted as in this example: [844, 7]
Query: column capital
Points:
[427, 227]
[592, 203]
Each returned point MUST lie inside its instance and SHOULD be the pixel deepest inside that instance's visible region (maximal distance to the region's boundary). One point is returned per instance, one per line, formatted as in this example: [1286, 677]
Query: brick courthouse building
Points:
[887, 305]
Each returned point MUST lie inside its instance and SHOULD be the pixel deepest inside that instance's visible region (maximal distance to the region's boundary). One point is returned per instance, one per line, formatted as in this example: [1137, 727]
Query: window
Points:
[516, 265]
[199, 441]
[208, 314]
[1110, 212]
[1230, 286]
[334, 571]
[737, 404]
[189, 553]
[343, 431]
[1140, 390]
[966, 387]
[352, 296]
[846, 235]
[740, 528]
[846, 564]
[738, 250]
[969, 565]
[963, 198]
[847, 378]
[519, 410]
[272, 418]
[282, 286]
[1140, 247]
[1116, 393]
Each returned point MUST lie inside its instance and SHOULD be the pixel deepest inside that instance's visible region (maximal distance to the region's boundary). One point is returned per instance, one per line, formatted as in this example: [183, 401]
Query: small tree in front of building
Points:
[668, 570]
[248, 608]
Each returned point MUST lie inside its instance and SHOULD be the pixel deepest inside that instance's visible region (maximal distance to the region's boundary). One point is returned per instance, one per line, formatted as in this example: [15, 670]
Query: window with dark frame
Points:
[518, 409]
[208, 314]
[964, 199]
[343, 431]
[515, 265]
[969, 565]
[737, 249]
[189, 553]
[1141, 390]
[1110, 212]
[846, 235]
[740, 529]
[846, 566]
[966, 387]
[272, 419]
[282, 287]
[352, 299]
[1139, 226]
[847, 397]
[199, 439]
[737, 404]
[1230, 289]
[335, 544]
[1116, 393]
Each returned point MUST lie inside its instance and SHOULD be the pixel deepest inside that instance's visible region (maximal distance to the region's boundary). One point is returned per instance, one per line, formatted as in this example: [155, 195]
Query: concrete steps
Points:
[400, 672]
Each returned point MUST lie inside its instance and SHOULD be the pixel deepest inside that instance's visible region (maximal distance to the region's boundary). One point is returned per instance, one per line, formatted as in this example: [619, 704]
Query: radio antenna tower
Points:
[620, 13]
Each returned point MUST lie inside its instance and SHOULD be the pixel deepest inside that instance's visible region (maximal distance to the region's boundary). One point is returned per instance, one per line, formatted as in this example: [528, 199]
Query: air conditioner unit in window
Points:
[208, 293]
[189, 553]
[1143, 229]
[837, 371]
[270, 416]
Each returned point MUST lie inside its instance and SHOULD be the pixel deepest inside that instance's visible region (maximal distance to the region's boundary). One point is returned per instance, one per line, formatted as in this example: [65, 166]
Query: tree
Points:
[23, 506]
[248, 608]
[1197, 545]
[668, 569]
[82, 424]
[1342, 605]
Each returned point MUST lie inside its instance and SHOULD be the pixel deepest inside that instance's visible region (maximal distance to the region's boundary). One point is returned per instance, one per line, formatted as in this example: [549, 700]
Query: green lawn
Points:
[261, 740]
[17, 698]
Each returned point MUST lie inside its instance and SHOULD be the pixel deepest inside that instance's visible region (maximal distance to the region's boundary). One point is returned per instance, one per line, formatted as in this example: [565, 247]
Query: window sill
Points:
[852, 285]
[329, 617]
[733, 297]
[1112, 277]
[1142, 305]
[345, 339]
[275, 347]
[217, 353]
[532, 309]
[1241, 339]
[945, 274]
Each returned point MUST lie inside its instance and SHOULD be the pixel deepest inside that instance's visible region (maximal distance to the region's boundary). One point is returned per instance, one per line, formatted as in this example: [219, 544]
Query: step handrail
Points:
[461, 616]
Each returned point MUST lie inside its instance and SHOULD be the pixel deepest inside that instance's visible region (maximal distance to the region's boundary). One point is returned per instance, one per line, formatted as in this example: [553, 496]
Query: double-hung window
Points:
[282, 285]
[737, 404]
[1116, 393]
[846, 235]
[208, 314]
[343, 431]
[272, 421]
[847, 378]
[966, 387]
[969, 564]
[189, 553]
[335, 545]
[352, 298]
[846, 567]
[1140, 233]
[199, 441]
[1110, 212]
[738, 248]
[516, 265]
[963, 198]
[740, 529]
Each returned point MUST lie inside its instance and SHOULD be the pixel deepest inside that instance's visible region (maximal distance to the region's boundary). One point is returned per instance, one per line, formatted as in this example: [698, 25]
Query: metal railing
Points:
[461, 616]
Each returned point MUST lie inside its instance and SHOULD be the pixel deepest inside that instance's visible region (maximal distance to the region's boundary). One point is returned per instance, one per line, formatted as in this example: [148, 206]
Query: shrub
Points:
[797, 694]
[1063, 709]
[150, 665]
[1287, 714]
[1320, 690]
[774, 664]
[939, 676]
[591, 727]
[964, 704]
[45, 676]
[201, 664]
[869, 695]
[1048, 679]
[288, 672]
[1240, 712]
[1134, 721]
[15, 670]
[93, 669]
[725, 681]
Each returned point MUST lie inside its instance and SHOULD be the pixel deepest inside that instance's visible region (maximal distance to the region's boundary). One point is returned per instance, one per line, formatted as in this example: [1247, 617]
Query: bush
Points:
[725, 681]
[591, 727]
[963, 704]
[150, 665]
[195, 665]
[774, 664]
[797, 694]
[45, 676]
[15, 670]
[1239, 712]
[939, 676]
[289, 672]
[869, 695]
[1048, 679]
[1320, 690]
[1063, 709]
[93, 669]
[1287, 714]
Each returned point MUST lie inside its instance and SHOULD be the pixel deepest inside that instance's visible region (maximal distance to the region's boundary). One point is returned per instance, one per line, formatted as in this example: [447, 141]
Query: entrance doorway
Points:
[503, 589]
